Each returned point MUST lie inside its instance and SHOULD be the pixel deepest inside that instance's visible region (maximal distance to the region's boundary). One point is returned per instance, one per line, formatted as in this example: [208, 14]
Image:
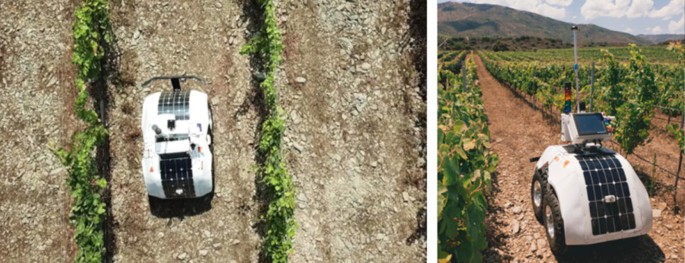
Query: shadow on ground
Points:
[180, 208]
[639, 249]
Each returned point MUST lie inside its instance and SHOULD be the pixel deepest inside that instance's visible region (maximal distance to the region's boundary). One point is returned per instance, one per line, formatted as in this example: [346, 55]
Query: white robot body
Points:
[600, 196]
[177, 158]
[584, 193]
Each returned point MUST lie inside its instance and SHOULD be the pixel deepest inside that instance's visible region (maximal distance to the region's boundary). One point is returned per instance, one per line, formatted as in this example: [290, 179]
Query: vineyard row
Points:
[277, 184]
[630, 91]
[92, 35]
[86, 181]
[465, 165]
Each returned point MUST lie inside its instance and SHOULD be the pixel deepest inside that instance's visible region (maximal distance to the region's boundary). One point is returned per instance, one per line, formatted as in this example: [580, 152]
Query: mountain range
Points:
[468, 20]
[657, 39]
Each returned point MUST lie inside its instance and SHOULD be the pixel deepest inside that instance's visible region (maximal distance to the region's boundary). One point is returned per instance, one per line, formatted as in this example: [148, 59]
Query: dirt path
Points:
[36, 94]
[200, 38]
[519, 132]
[355, 129]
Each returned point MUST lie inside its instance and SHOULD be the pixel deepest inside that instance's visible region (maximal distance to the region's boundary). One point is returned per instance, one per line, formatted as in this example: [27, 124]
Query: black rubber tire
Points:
[155, 204]
[211, 149]
[543, 185]
[558, 242]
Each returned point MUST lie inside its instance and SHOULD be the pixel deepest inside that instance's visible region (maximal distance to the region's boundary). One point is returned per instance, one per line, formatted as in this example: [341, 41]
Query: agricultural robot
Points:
[177, 135]
[584, 193]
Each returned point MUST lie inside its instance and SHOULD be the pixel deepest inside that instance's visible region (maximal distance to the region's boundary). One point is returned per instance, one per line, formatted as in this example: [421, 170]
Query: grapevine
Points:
[465, 164]
[91, 31]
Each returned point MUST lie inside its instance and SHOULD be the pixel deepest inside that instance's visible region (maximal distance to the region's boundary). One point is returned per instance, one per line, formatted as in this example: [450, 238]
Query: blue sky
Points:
[631, 16]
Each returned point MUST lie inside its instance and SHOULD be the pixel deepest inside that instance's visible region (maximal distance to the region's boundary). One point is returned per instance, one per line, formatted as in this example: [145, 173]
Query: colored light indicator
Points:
[607, 124]
[567, 98]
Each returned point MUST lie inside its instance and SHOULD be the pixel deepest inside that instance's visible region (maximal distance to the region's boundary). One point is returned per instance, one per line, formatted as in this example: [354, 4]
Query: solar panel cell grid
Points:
[604, 177]
[177, 174]
[175, 102]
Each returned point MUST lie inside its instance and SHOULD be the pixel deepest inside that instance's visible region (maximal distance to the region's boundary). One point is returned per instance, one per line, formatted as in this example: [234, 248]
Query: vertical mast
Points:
[575, 67]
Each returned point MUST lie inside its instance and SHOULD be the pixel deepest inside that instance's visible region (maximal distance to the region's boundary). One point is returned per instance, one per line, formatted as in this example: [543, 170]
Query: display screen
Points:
[590, 124]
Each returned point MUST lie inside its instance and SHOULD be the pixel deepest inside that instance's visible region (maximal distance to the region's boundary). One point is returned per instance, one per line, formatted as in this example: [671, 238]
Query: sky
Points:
[630, 16]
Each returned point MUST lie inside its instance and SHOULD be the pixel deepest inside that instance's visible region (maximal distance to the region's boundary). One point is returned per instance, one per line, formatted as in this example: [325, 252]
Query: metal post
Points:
[463, 74]
[680, 161]
[592, 84]
[575, 67]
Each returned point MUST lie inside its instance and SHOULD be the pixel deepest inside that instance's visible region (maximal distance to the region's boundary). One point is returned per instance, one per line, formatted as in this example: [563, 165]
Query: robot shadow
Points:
[169, 208]
[638, 249]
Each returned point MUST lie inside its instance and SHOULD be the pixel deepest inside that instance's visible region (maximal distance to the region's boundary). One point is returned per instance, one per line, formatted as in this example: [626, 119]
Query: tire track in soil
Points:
[519, 132]
[199, 38]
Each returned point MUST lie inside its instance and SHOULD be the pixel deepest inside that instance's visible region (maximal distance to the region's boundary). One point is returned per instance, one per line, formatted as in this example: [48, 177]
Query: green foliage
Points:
[628, 91]
[586, 55]
[672, 97]
[91, 31]
[679, 134]
[91, 34]
[464, 167]
[280, 224]
[634, 116]
[611, 80]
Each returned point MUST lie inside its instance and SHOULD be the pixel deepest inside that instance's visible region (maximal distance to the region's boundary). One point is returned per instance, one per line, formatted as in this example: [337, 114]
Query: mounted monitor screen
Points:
[590, 124]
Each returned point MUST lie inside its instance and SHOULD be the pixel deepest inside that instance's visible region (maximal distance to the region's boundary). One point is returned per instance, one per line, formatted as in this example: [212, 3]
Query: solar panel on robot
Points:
[604, 176]
[175, 102]
[176, 173]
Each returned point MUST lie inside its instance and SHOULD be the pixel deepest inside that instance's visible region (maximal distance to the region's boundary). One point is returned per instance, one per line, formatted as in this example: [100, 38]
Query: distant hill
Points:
[469, 20]
[657, 39]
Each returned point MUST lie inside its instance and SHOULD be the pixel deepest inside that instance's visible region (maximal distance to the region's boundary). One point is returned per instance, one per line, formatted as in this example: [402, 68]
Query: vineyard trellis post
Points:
[592, 84]
[463, 75]
[680, 159]
[575, 67]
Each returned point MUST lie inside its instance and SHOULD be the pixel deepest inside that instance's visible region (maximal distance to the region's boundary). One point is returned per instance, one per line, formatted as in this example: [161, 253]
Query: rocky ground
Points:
[515, 235]
[355, 130]
[197, 38]
[351, 87]
[352, 105]
[36, 94]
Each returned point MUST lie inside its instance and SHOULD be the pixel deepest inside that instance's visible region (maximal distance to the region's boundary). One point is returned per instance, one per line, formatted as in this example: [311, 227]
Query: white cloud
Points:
[559, 2]
[656, 30]
[611, 8]
[640, 8]
[677, 27]
[628, 30]
[550, 11]
[630, 8]
[551, 8]
[673, 8]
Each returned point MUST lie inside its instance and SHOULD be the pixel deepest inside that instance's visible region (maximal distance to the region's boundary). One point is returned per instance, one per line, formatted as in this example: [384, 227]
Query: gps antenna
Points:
[575, 66]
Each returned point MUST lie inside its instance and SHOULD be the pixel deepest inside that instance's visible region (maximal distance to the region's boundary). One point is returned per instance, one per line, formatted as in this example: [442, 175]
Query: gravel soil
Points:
[352, 90]
[355, 130]
[198, 38]
[514, 234]
[36, 82]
